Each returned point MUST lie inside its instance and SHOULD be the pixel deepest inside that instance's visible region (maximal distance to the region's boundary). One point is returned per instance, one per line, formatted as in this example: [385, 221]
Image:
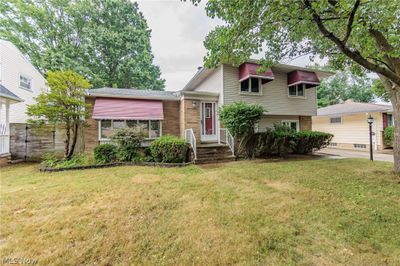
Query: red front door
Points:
[208, 121]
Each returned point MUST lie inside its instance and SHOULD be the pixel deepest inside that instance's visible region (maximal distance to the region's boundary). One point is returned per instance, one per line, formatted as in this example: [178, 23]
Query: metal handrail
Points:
[228, 140]
[191, 139]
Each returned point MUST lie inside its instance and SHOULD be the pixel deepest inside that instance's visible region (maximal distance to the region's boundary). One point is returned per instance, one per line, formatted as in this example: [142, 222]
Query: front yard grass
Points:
[317, 212]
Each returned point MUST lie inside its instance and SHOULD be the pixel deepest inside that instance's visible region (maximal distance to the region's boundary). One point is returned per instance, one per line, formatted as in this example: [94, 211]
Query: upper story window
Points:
[251, 85]
[297, 90]
[335, 120]
[25, 82]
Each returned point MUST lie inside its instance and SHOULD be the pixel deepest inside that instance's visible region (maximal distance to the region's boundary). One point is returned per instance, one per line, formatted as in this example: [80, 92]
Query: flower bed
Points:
[44, 168]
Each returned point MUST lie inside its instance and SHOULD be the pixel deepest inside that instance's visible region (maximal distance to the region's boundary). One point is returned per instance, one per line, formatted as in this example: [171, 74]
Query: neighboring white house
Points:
[20, 77]
[7, 98]
[348, 123]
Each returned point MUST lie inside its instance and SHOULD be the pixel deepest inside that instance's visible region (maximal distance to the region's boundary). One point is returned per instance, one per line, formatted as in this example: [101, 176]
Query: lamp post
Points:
[370, 120]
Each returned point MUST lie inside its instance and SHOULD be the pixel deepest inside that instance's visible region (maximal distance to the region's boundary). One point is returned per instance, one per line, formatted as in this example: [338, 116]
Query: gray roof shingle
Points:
[134, 93]
[4, 92]
[349, 107]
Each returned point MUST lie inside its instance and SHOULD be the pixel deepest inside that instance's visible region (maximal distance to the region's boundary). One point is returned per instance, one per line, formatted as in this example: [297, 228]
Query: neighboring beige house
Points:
[19, 76]
[348, 123]
[287, 92]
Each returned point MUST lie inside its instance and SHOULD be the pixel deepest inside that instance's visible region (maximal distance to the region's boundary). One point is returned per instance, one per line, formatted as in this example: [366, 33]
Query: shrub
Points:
[388, 135]
[129, 141]
[309, 141]
[282, 140]
[169, 149]
[50, 159]
[240, 118]
[105, 153]
[270, 142]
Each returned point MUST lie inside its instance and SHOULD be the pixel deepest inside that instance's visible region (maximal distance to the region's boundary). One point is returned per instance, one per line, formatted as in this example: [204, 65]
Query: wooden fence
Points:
[31, 142]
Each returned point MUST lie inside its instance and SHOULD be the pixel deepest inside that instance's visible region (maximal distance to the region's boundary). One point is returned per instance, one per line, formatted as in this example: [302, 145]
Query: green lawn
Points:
[315, 212]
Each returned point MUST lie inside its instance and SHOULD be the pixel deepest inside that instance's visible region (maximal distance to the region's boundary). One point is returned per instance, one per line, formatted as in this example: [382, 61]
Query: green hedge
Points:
[169, 149]
[105, 153]
[282, 143]
[388, 135]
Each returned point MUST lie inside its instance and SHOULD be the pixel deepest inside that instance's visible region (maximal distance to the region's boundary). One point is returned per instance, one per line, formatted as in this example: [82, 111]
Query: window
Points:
[390, 119]
[360, 146]
[296, 90]
[25, 82]
[105, 129]
[293, 124]
[335, 120]
[0, 74]
[333, 144]
[250, 85]
[151, 128]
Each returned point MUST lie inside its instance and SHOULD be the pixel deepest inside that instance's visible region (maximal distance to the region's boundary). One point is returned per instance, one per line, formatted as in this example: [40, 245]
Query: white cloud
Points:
[178, 31]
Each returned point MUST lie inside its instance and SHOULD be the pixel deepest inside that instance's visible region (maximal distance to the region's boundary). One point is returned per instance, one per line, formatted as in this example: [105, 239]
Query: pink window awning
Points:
[127, 109]
[305, 77]
[248, 70]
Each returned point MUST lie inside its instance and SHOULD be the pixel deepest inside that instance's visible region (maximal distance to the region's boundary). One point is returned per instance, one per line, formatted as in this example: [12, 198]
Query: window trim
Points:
[125, 126]
[250, 92]
[30, 82]
[297, 91]
[335, 123]
[293, 121]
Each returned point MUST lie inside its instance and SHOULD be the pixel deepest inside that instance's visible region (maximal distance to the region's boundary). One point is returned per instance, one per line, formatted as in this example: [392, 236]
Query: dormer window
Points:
[250, 85]
[296, 90]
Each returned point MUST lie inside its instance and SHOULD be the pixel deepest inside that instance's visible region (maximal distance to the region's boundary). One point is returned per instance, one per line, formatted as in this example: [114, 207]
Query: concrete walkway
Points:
[356, 154]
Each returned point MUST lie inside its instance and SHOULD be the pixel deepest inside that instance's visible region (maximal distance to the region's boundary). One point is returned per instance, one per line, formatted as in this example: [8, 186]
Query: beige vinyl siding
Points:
[274, 94]
[267, 121]
[213, 83]
[353, 129]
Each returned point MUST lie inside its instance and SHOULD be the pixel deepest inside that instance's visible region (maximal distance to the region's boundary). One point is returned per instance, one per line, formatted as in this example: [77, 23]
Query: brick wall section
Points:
[305, 123]
[91, 130]
[170, 124]
[190, 117]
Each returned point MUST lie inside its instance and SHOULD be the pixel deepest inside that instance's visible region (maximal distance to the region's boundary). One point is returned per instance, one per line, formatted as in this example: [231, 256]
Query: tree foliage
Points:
[63, 104]
[360, 34]
[106, 41]
[344, 86]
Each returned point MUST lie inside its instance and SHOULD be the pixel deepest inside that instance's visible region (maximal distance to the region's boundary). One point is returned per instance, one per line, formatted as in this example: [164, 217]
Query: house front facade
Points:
[288, 94]
[19, 76]
[348, 123]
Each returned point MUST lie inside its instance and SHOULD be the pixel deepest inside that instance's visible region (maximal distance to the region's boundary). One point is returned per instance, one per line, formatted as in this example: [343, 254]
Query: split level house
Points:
[347, 121]
[20, 83]
[287, 92]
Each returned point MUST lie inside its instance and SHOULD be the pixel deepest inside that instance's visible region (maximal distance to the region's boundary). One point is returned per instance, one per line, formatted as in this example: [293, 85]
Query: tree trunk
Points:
[67, 141]
[74, 140]
[395, 99]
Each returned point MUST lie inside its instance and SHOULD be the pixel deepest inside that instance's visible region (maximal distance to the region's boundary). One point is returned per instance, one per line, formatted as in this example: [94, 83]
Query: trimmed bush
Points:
[388, 135]
[129, 141]
[105, 153]
[270, 142]
[282, 141]
[169, 149]
[309, 141]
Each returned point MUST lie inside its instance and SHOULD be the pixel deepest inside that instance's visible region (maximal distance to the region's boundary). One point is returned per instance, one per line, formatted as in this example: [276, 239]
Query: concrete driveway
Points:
[387, 157]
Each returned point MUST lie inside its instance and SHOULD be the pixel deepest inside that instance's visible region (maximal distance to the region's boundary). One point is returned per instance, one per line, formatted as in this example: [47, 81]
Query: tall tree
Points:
[344, 86]
[64, 104]
[107, 41]
[361, 34]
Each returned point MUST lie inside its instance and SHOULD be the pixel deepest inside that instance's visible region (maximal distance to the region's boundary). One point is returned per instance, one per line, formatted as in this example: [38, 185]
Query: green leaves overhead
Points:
[106, 41]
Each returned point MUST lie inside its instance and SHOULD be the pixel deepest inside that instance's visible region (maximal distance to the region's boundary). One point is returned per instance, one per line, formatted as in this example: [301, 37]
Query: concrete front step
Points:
[213, 153]
[224, 159]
